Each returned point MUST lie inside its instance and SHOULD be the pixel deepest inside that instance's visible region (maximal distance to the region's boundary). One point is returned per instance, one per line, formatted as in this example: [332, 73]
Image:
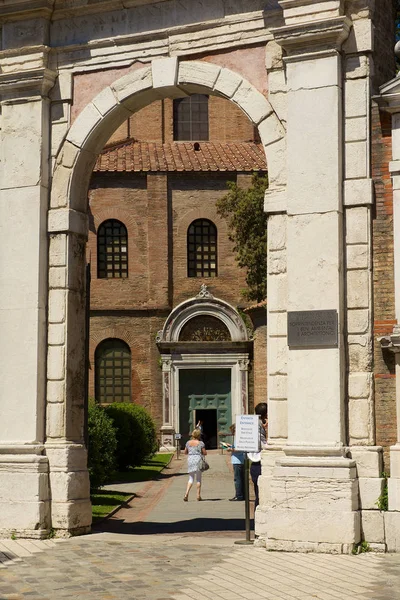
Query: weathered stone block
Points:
[360, 420]
[62, 457]
[56, 362]
[356, 98]
[370, 490]
[313, 280]
[358, 288]
[58, 250]
[277, 386]
[277, 356]
[106, 101]
[392, 531]
[164, 72]
[360, 353]
[357, 225]
[358, 321]
[355, 131]
[315, 525]
[71, 515]
[227, 83]
[271, 130]
[56, 336]
[278, 419]
[277, 324]
[313, 74]
[57, 299]
[277, 232]
[57, 277]
[309, 492]
[360, 385]
[252, 102]
[277, 292]
[199, 73]
[368, 459]
[373, 526]
[69, 486]
[55, 391]
[55, 418]
[394, 493]
[358, 257]
[356, 160]
[277, 262]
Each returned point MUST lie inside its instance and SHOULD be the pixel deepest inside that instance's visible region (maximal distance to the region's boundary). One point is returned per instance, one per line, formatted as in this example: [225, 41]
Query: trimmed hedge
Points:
[102, 446]
[136, 434]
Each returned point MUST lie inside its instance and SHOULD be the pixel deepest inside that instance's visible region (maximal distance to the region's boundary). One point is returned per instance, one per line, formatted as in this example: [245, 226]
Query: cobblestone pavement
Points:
[163, 549]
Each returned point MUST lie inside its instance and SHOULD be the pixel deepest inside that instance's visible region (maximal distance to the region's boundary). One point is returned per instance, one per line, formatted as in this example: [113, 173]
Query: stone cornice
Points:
[313, 36]
[389, 98]
[14, 10]
[27, 83]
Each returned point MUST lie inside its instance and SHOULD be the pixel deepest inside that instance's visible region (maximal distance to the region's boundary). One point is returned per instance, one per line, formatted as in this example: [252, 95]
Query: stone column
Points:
[167, 430]
[24, 151]
[313, 492]
[389, 100]
[69, 479]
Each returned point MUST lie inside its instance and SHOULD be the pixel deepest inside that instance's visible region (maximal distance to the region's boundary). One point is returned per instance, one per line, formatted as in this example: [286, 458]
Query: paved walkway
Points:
[164, 549]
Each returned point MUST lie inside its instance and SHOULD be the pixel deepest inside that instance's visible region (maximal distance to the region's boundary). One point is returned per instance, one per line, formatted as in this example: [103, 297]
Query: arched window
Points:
[202, 249]
[112, 250]
[113, 372]
[191, 118]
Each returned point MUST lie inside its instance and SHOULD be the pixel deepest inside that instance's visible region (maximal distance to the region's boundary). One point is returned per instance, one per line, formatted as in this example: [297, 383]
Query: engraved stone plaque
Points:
[313, 328]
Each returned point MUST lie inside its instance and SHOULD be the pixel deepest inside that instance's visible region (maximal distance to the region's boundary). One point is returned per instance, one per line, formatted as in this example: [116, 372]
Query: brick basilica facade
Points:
[157, 187]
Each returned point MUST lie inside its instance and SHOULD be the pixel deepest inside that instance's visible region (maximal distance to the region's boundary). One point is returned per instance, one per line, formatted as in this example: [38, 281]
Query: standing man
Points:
[255, 470]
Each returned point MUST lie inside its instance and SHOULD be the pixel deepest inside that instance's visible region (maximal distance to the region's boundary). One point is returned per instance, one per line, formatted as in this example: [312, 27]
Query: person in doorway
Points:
[200, 427]
[255, 469]
[194, 449]
[237, 460]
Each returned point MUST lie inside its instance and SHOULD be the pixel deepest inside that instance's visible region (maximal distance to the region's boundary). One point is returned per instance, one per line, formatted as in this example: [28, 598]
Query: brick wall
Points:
[227, 123]
[157, 209]
[193, 196]
[384, 315]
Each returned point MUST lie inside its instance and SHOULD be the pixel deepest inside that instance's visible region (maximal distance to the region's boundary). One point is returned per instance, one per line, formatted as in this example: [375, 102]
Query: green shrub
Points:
[102, 447]
[136, 434]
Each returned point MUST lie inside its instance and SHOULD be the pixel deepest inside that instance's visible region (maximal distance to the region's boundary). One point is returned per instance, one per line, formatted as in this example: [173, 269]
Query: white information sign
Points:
[247, 434]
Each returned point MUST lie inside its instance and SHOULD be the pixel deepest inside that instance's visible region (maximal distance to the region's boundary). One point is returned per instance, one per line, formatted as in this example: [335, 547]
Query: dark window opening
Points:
[191, 118]
[113, 372]
[202, 249]
[112, 250]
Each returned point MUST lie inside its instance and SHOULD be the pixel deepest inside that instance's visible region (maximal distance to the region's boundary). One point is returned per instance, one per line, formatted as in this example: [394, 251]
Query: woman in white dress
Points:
[195, 449]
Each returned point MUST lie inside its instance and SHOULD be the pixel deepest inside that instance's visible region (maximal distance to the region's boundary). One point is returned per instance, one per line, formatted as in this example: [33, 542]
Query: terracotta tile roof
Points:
[181, 156]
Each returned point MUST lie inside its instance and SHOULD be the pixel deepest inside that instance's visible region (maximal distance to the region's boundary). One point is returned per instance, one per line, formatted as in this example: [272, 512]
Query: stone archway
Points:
[67, 228]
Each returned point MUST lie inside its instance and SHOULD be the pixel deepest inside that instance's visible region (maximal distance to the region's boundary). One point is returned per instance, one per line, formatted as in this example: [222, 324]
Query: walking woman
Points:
[194, 449]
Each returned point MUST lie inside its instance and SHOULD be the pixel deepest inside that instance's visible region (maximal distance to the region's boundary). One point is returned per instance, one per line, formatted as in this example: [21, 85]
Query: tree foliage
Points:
[247, 222]
[102, 447]
[136, 433]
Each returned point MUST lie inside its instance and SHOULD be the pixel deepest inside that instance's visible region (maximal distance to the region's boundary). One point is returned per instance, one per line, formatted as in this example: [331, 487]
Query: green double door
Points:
[205, 394]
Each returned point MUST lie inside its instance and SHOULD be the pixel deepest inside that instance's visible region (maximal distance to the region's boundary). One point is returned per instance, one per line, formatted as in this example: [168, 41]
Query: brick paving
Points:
[164, 549]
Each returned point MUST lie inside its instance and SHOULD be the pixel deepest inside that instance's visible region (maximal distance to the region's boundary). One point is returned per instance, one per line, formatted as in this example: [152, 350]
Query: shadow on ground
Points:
[198, 525]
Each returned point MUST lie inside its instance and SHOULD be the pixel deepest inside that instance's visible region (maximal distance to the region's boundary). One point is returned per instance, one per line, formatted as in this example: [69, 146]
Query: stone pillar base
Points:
[167, 433]
[71, 509]
[24, 492]
[313, 503]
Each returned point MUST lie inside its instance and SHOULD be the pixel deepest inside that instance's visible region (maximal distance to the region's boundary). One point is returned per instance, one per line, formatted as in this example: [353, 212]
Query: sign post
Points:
[178, 437]
[247, 439]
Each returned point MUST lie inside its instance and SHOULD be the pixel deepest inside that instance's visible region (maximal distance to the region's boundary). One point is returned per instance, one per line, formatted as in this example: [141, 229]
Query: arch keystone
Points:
[164, 72]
